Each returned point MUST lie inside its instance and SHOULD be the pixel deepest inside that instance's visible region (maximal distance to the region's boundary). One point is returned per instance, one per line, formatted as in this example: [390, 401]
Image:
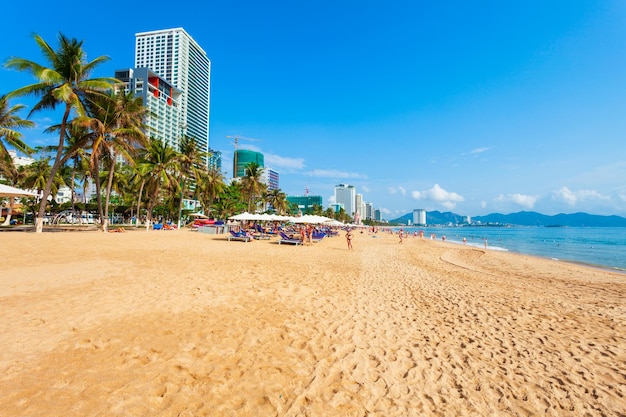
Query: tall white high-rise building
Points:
[174, 56]
[419, 217]
[345, 195]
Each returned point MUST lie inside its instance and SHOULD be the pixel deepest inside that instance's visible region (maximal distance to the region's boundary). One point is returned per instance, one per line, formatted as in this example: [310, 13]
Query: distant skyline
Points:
[474, 108]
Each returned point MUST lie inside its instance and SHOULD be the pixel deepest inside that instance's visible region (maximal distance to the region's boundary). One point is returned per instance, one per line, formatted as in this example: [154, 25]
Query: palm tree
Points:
[229, 201]
[9, 121]
[36, 177]
[118, 126]
[278, 200]
[66, 81]
[251, 183]
[189, 158]
[210, 185]
[158, 165]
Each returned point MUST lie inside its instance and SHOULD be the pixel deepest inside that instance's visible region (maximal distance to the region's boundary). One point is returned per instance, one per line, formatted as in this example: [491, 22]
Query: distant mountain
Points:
[523, 218]
[432, 217]
[530, 218]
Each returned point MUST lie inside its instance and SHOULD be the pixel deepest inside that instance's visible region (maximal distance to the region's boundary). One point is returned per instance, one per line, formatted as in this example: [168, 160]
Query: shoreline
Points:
[183, 323]
[537, 250]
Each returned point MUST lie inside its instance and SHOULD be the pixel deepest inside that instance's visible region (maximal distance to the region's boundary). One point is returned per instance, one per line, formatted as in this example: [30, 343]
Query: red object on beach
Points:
[202, 222]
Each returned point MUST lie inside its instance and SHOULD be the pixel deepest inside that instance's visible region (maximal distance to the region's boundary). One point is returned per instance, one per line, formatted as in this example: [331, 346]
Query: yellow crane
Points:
[236, 140]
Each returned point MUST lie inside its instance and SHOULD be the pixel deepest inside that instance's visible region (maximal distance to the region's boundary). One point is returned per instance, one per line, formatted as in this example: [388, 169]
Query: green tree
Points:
[158, 166]
[251, 184]
[278, 200]
[229, 202]
[209, 187]
[117, 120]
[64, 82]
[35, 177]
[189, 158]
[9, 136]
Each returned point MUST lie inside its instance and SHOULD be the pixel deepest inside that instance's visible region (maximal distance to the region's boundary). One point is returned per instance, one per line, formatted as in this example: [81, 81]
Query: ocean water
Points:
[598, 246]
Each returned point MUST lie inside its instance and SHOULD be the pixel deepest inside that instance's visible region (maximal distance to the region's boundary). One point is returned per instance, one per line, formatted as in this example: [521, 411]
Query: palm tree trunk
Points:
[73, 192]
[105, 222]
[98, 192]
[139, 202]
[180, 206]
[151, 205]
[53, 171]
[7, 221]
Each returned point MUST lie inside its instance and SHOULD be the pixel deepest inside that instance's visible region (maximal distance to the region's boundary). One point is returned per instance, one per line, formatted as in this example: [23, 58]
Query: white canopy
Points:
[310, 218]
[8, 191]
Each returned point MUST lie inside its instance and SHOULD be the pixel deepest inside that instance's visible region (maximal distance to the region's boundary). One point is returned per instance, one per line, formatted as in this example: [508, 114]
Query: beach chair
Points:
[239, 236]
[318, 236]
[286, 239]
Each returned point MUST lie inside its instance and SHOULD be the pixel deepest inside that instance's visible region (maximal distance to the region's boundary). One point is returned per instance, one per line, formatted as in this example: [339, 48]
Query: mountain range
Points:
[522, 218]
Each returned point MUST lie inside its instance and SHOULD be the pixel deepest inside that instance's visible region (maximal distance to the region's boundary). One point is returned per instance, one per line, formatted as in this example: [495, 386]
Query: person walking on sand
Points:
[400, 234]
[349, 237]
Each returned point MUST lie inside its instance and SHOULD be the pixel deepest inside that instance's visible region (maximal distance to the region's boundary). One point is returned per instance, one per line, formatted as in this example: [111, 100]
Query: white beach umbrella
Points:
[310, 218]
[241, 216]
[334, 223]
[8, 191]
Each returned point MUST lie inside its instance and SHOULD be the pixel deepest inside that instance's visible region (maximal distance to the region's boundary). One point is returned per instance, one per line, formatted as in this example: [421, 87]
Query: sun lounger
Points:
[286, 239]
[239, 236]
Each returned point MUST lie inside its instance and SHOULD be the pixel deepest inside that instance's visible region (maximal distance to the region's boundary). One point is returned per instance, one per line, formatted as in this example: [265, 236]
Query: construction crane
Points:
[236, 140]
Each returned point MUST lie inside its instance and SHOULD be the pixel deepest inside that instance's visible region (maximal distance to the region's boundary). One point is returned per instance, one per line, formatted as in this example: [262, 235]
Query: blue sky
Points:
[470, 107]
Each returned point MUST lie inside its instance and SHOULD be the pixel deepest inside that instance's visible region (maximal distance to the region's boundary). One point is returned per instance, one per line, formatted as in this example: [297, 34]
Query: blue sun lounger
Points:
[286, 239]
[239, 236]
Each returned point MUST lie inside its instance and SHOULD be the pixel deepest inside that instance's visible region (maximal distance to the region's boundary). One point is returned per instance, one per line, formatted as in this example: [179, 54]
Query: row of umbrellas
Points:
[307, 218]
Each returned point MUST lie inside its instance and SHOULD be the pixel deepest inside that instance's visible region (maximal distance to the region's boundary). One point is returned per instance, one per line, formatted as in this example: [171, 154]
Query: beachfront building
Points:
[336, 207]
[359, 208]
[175, 57]
[419, 217]
[241, 160]
[215, 159]
[270, 178]
[369, 211]
[345, 194]
[161, 98]
[305, 203]
[378, 215]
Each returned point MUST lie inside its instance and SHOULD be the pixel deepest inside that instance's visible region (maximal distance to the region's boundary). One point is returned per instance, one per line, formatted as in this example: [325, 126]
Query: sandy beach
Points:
[188, 324]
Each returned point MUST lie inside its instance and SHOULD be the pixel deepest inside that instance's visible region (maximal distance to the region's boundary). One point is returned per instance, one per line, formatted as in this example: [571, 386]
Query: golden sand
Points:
[187, 324]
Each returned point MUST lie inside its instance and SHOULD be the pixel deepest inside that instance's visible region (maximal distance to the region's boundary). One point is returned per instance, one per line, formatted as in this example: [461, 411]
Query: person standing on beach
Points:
[309, 233]
[400, 234]
[349, 237]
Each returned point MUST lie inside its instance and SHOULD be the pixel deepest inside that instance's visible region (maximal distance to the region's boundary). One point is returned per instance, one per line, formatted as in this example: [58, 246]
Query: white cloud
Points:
[572, 197]
[331, 199]
[483, 204]
[446, 198]
[385, 211]
[365, 189]
[333, 173]
[396, 190]
[479, 150]
[275, 161]
[527, 201]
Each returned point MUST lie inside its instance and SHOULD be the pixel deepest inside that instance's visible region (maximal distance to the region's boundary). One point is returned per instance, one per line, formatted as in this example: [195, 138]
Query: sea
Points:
[596, 246]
